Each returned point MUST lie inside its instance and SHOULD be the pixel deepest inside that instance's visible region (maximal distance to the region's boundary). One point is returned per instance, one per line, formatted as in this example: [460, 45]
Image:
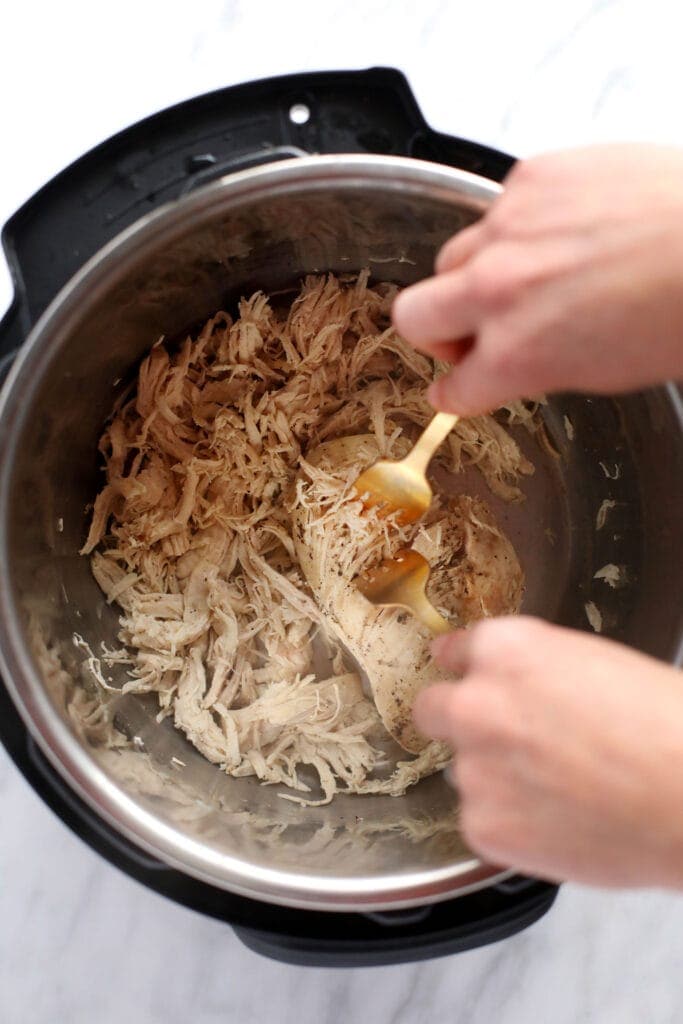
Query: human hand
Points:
[569, 752]
[573, 280]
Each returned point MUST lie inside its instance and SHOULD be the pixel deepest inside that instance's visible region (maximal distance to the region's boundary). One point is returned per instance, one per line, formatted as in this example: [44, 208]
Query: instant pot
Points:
[147, 235]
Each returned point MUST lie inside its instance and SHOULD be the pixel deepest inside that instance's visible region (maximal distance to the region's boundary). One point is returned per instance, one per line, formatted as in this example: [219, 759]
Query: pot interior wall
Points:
[627, 451]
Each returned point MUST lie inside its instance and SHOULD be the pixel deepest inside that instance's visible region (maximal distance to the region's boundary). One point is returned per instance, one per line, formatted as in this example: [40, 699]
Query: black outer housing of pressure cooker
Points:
[46, 242]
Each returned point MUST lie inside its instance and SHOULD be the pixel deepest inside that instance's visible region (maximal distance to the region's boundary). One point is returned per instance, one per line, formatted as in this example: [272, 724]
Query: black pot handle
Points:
[12, 335]
[377, 939]
[6, 363]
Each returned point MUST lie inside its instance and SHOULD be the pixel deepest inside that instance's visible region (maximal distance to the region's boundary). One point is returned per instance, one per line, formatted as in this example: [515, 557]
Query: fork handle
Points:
[427, 614]
[429, 440]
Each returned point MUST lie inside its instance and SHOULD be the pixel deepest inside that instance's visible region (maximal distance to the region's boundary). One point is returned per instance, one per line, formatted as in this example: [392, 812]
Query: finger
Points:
[460, 248]
[437, 310]
[466, 714]
[453, 651]
[460, 393]
[478, 648]
[432, 712]
[472, 388]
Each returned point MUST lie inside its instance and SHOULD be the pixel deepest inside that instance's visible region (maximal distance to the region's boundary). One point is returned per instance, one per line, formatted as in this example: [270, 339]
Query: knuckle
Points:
[485, 641]
[480, 714]
[510, 637]
[485, 283]
[461, 715]
[512, 355]
[501, 355]
[496, 279]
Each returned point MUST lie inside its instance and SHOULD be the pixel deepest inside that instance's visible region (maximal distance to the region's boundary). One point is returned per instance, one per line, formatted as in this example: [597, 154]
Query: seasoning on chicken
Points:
[475, 573]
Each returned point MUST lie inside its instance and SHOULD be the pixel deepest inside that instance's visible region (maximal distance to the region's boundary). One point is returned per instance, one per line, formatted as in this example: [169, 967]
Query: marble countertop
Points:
[79, 941]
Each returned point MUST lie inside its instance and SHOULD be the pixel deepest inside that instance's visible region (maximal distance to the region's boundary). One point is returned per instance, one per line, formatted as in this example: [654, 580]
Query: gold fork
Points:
[402, 486]
[400, 583]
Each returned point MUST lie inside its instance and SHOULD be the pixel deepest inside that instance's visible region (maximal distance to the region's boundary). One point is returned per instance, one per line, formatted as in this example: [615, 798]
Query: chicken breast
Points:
[475, 573]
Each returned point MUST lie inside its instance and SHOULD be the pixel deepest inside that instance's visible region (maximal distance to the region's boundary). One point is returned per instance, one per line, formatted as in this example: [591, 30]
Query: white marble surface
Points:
[79, 942]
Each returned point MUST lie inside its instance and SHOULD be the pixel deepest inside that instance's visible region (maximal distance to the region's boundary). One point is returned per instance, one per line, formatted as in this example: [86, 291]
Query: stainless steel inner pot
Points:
[265, 228]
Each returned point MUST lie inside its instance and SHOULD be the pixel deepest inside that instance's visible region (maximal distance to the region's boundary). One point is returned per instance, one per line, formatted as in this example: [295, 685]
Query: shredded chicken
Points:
[605, 508]
[223, 536]
[475, 572]
[612, 574]
[594, 616]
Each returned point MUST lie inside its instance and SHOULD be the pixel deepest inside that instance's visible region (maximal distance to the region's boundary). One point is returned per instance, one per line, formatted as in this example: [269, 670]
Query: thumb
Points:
[469, 389]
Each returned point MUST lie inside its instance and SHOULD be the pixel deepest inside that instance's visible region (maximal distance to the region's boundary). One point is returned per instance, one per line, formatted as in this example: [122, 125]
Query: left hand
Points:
[572, 281]
[569, 752]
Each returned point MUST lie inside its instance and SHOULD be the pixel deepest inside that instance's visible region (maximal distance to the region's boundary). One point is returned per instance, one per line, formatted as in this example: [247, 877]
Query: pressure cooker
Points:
[253, 187]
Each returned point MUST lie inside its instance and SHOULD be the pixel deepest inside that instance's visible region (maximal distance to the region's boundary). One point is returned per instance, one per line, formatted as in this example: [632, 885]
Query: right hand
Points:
[573, 280]
[569, 752]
